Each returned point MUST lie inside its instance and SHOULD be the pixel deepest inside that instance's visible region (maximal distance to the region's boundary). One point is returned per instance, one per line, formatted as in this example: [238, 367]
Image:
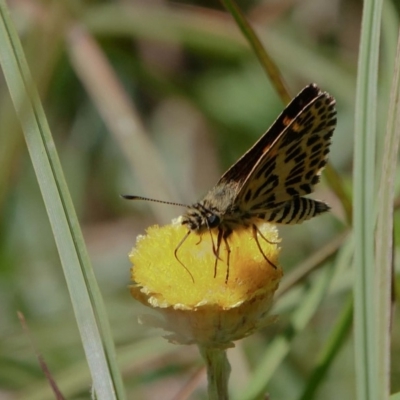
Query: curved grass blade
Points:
[85, 296]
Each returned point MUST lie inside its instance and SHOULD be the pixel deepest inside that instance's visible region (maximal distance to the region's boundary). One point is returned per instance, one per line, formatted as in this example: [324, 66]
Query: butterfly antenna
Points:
[130, 197]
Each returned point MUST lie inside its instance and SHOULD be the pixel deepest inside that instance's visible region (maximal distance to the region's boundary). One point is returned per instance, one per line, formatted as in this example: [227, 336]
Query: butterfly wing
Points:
[287, 160]
[240, 171]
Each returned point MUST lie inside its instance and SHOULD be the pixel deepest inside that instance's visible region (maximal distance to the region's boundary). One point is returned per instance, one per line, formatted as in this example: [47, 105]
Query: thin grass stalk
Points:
[265, 60]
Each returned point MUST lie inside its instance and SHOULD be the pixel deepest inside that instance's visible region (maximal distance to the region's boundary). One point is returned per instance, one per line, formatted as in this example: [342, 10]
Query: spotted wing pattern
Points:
[290, 162]
[269, 181]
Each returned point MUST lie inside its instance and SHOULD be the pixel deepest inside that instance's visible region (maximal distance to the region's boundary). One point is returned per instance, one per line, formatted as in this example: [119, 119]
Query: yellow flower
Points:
[209, 311]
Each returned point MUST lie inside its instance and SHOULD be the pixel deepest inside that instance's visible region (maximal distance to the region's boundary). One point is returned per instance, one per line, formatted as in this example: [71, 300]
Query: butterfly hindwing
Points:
[295, 211]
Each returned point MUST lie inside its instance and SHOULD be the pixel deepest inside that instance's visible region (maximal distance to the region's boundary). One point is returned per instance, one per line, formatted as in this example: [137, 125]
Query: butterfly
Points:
[269, 182]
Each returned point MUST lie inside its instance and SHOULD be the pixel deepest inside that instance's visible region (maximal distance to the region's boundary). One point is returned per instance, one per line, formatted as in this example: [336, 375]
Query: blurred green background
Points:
[156, 98]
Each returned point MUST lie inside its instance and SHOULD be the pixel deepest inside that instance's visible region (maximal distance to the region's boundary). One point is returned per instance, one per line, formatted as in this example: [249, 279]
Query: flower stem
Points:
[218, 370]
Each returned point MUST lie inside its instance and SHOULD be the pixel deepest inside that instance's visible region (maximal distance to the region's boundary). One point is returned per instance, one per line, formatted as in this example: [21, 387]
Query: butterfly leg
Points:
[216, 251]
[215, 248]
[268, 241]
[257, 232]
[228, 251]
[176, 254]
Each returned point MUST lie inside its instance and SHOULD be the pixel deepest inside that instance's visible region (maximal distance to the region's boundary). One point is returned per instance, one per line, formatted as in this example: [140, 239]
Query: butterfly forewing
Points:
[240, 171]
[294, 211]
[290, 166]
[283, 165]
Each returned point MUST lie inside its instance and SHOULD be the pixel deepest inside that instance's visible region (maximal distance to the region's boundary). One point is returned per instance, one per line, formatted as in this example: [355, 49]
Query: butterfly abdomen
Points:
[295, 211]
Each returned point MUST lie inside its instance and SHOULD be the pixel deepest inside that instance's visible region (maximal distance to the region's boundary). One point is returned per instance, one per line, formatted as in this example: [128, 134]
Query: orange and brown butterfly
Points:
[269, 182]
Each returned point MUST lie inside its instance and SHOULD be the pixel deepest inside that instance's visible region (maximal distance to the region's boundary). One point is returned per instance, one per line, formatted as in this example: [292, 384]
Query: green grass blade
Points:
[384, 234]
[280, 346]
[78, 272]
[363, 203]
[332, 346]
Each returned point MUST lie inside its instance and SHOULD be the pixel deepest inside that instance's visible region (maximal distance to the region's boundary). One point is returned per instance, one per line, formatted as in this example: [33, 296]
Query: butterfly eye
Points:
[213, 220]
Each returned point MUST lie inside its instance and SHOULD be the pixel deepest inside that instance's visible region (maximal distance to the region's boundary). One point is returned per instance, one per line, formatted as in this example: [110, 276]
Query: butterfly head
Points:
[199, 218]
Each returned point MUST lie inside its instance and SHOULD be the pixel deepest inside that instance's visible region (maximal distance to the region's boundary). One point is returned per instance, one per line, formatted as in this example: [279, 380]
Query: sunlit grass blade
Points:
[85, 296]
[365, 318]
